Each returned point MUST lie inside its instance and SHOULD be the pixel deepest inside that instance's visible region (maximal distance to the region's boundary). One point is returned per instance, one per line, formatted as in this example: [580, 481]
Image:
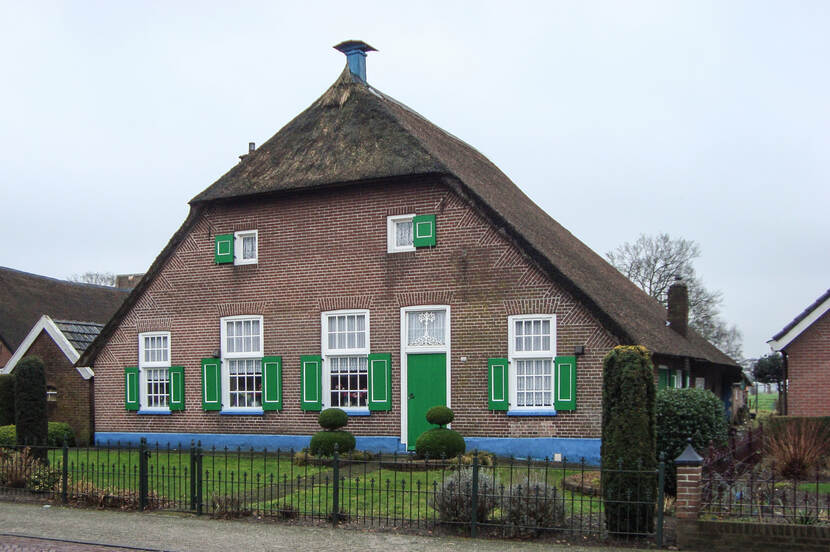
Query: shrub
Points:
[684, 413]
[325, 443]
[439, 443]
[59, 432]
[440, 415]
[30, 404]
[798, 447]
[6, 399]
[453, 500]
[628, 440]
[8, 436]
[531, 506]
[21, 469]
[484, 459]
[332, 418]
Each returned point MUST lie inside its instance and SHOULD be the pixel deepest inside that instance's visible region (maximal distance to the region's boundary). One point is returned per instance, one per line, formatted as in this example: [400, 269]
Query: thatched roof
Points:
[25, 297]
[353, 134]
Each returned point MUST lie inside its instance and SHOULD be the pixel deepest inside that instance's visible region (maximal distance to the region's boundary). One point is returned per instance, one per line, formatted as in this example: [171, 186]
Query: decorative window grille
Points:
[426, 328]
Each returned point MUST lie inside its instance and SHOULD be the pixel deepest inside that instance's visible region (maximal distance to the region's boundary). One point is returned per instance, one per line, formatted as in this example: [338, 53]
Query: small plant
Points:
[331, 440]
[8, 436]
[532, 506]
[453, 500]
[806, 517]
[798, 447]
[17, 467]
[227, 507]
[287, 511]
[484, 459]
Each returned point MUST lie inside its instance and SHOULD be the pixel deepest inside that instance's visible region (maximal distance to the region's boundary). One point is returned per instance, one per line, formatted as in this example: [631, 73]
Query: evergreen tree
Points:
[30, 413]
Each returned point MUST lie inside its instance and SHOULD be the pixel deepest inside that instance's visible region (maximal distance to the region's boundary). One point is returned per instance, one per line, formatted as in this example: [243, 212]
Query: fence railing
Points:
[477, 494]
[760, 495]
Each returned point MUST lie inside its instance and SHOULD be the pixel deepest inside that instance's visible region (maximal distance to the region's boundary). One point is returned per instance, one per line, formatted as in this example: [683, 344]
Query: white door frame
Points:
[406, 349]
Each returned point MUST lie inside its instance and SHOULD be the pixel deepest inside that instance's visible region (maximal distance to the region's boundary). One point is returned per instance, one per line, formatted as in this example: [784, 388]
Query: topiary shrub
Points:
[333, 418]
[439, 443]
[8, 436]
[531, 506]
[628, 440]
[684, 413]
[58, 433]
[440, 415]
[326, 443]
[30, 404]
[453, 500]
[6, 399]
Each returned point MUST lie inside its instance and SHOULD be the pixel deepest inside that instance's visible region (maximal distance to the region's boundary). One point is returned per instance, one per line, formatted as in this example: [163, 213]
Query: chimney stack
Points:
[251, 148]
[678, 306]
[355, 51]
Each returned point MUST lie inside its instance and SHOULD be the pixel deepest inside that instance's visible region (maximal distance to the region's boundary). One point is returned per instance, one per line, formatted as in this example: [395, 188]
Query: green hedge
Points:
[30, 414]
[55, 435]
[685, 413]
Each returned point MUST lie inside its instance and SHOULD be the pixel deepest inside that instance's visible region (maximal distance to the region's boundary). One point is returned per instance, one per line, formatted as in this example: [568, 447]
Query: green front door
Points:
[426, 383]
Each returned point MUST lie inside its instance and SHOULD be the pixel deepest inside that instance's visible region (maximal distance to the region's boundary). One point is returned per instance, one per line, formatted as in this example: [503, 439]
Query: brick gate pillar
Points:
[689, 478]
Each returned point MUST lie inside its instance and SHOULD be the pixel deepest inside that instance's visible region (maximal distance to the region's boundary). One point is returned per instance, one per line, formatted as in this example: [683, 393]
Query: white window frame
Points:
[391, 234]
[225, 355]
[238, 249]
[328, 353]
[513, 355]
[143, 366]
[406, 349]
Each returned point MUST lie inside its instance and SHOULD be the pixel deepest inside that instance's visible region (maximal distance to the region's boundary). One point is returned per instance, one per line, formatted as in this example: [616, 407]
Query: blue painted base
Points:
[572, 450]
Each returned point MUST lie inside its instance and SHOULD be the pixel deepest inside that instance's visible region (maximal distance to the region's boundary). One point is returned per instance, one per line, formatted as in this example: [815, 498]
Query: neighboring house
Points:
[33, 314]
[805, 344]
[366, 259]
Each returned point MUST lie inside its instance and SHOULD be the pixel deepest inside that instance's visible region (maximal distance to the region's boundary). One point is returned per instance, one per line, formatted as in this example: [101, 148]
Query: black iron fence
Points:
[759, 494]
[477, 494]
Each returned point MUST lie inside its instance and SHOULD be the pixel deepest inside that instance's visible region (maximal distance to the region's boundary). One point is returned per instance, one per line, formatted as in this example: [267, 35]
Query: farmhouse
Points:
[365, 259]
[805, 344]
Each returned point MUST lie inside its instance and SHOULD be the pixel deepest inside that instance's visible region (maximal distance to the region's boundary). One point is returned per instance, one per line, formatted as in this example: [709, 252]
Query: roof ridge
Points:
[60, 280]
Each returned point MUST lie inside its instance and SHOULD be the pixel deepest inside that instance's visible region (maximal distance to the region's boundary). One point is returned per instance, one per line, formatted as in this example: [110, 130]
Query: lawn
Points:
[224, 473]
[765, 402]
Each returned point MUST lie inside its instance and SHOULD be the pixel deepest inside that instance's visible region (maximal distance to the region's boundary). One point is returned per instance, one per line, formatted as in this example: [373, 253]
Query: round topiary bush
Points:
[440, 415]
[440, 443]
[326, 443]
[332, 418]
[684, 413]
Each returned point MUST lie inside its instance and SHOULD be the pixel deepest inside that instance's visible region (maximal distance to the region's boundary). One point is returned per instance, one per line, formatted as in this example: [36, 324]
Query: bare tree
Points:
[652, 262]
[100, 278]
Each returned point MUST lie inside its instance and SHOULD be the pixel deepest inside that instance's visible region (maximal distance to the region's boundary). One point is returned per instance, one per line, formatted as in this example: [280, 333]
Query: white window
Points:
[700, 382]
[399, 233]
[153, 368]
[678, 379]
[532, 348]
[242, 362]
[245, 247]
[51, 394]
[426, 328]
[345, 346]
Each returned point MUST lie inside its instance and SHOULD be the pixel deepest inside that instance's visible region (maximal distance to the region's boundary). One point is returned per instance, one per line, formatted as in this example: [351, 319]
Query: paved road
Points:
[110, 531]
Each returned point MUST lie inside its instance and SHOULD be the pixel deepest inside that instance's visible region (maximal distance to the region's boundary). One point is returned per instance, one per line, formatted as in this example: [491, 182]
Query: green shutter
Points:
[423, 231]
[672, 379]
[211, 384]
[131, 391]
[497, 385]
[662, 378]
[565, 385]
[311, 376]
[176, 387]
[380, 381]
[272, 383]
[223, 248]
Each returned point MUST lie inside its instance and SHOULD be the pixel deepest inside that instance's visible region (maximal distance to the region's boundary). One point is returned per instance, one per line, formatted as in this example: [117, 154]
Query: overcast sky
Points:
[706, 120]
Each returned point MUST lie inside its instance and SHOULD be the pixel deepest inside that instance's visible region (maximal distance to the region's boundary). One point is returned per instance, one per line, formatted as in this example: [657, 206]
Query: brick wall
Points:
[808, 358]
[327, 250]
[734, 536]
[74, 402]
[5, 355]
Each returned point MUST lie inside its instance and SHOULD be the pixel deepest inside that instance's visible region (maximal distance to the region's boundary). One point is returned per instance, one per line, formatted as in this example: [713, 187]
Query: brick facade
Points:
[74, 394]
[808, 363]
[5, 354]
[326, 250]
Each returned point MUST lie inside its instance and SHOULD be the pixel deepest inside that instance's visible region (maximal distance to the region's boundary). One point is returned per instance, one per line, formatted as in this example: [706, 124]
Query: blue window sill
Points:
[531, 412]
[154, 412]
[356, 412]
[245, 412]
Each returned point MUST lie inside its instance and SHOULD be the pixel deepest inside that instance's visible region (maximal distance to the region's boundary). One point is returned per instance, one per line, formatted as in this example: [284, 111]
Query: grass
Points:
[224, 473]
[823, 488]
[764, 402]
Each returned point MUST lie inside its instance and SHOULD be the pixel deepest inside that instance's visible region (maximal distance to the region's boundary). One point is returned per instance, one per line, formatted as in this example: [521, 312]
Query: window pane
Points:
[403, 233]
[249, 247]
[349, 381]
[426, 327]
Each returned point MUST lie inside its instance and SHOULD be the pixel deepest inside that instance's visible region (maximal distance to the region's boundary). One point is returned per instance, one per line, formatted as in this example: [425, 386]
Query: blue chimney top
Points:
[355, 51]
